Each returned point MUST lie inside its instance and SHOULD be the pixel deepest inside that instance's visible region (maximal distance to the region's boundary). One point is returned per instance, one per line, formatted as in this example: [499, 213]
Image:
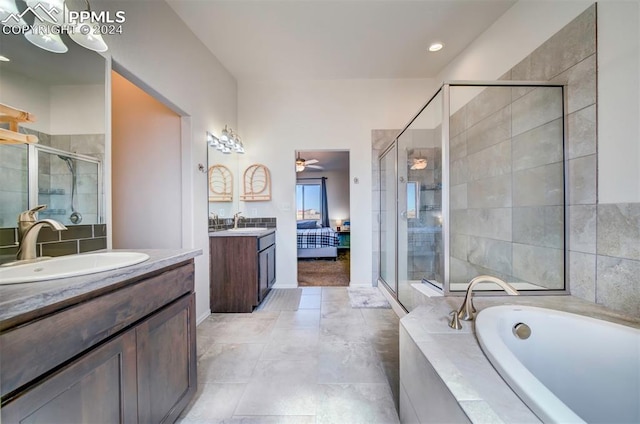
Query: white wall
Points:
[59, 109]
[618, 102]
[277, 118]
[77, 109]
[528, 24]
[159, 50]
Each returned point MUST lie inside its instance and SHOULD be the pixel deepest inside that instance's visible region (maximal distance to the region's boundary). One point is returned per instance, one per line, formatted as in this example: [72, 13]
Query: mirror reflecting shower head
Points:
[75, 216]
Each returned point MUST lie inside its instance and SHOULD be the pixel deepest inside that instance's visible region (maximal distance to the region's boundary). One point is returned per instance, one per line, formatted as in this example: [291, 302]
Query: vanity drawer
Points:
[31, 350]
[266, 241]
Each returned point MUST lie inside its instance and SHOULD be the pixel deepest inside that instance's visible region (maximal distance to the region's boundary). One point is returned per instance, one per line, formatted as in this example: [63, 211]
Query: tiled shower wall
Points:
[604, 239]
[506, 186]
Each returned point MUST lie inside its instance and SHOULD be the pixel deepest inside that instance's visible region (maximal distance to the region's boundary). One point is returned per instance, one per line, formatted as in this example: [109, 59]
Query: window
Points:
[308, 201]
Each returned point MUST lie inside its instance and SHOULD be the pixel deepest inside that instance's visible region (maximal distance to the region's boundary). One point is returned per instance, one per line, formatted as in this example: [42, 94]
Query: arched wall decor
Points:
[257, 184]
[220, 184]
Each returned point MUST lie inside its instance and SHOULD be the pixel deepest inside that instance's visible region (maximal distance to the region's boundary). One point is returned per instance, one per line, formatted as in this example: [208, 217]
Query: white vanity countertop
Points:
[229, 233]
[459, 361]
[20, 299]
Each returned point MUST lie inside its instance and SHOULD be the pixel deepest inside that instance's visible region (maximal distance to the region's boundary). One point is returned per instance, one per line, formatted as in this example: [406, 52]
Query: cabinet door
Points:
[263, 274]
[100, 387]
[271, 265]
[167, 362]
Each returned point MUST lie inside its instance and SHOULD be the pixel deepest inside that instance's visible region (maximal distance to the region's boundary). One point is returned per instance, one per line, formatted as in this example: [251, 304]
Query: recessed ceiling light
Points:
[4, 59]
[434, 47]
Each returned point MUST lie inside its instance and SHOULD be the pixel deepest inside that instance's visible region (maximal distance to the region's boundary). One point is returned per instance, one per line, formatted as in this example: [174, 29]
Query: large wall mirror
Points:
[67, 96]
[224, 183]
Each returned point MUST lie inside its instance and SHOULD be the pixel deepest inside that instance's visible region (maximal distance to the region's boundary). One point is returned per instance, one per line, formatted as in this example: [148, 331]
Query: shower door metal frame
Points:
[445, 88]
[32, 158]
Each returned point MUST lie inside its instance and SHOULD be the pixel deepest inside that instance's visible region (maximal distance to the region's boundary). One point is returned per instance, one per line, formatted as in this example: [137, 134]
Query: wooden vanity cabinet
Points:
[243, 270]
[143, 370]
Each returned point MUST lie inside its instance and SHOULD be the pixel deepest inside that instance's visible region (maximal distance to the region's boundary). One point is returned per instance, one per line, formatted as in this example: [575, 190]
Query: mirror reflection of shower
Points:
[75, 216]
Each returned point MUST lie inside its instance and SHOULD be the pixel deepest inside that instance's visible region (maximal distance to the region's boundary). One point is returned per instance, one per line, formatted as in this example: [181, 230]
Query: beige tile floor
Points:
[324, 363]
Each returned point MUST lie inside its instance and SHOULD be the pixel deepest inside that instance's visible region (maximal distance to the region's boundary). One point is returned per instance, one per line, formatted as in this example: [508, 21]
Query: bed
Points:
[317, 243]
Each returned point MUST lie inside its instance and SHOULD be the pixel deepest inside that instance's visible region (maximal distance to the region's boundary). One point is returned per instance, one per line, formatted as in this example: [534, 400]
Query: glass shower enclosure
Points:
[475, 185]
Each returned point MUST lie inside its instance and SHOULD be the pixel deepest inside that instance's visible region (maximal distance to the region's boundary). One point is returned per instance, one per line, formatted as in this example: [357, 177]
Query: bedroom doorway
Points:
[323, 218]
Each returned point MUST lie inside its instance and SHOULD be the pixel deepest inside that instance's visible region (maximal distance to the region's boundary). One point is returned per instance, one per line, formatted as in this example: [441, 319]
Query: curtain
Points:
[324, 207]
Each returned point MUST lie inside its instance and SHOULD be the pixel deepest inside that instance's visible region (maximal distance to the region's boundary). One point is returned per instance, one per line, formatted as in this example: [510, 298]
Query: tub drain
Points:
[521, 331]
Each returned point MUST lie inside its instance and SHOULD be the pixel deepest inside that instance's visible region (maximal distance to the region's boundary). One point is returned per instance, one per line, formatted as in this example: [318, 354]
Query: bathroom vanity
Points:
[115, 346]
[243, 268]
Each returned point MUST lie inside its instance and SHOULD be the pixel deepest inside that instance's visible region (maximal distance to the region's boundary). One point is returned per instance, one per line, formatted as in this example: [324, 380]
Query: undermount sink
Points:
[68, 266]
[248, 229]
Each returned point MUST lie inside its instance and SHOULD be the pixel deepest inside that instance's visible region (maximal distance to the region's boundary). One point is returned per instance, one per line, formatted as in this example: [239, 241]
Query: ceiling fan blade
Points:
[314, 166]
[310, 162]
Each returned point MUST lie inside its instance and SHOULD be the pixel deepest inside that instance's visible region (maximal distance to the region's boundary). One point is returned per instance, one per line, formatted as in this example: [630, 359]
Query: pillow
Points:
[307, 224]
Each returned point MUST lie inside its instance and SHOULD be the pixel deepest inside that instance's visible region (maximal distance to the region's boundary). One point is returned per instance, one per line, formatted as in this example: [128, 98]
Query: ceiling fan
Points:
[301, 164]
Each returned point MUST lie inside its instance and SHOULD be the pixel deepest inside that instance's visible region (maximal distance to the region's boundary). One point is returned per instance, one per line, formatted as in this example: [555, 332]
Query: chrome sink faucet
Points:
[236, 217]
[28, 230]
[467, 309]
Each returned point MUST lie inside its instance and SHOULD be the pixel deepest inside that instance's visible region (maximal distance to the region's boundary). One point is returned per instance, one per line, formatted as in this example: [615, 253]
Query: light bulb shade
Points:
[212, 140]
[224, 135]
[46, 40]
[239, 146]
[226, 150]
[47, 10]
[84, 35]
[299, 168]
[9, 14]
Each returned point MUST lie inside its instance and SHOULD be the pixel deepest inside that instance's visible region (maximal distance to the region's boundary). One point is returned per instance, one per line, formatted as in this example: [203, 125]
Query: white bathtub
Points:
[571, 369]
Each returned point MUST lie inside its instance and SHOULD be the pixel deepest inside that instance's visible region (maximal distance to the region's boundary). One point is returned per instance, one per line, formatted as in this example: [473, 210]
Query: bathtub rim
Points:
[515, 374]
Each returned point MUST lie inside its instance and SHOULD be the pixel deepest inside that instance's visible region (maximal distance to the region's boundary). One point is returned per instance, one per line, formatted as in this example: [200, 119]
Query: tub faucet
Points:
[236, 218]
[28, 230]
[467, 309]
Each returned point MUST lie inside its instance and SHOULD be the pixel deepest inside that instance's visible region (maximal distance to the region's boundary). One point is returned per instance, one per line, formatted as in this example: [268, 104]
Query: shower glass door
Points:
[69, 184]
[388, 205]
[419, 188]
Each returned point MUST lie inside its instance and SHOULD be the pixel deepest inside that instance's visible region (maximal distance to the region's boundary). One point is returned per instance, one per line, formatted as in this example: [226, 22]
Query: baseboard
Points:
[285, 286]
[203, 317]
[360, 285]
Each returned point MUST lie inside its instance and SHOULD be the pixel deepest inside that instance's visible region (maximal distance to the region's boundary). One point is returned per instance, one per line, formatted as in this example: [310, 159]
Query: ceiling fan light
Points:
[50, 42]
[83, 35]
[48, 10]
[419, 163]
[8, 8]
[224, 135]
[299, 167]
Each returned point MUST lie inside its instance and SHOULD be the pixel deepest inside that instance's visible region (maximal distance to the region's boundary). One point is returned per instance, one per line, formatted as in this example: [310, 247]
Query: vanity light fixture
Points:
[46, 39]
[419, 163]
[434, 47]
[227, 143]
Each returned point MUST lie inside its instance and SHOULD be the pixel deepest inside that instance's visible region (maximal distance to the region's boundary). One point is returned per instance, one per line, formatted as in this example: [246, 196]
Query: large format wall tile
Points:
[580, 82]
[539, 225]
[490, 162]
[539, 146]
[536, 108]
[581, 132]
[495, 223]
[582, 228]
[491, 130]
[618, 286]
[492, 254]
[542, 186]
[489, 101]
[582, 275]
[539, 265]
[582, 180]
[490, 192]
[619, 230]
[569, 46]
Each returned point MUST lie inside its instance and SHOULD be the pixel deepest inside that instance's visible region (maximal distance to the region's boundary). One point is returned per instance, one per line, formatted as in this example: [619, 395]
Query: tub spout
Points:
[467, 309]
